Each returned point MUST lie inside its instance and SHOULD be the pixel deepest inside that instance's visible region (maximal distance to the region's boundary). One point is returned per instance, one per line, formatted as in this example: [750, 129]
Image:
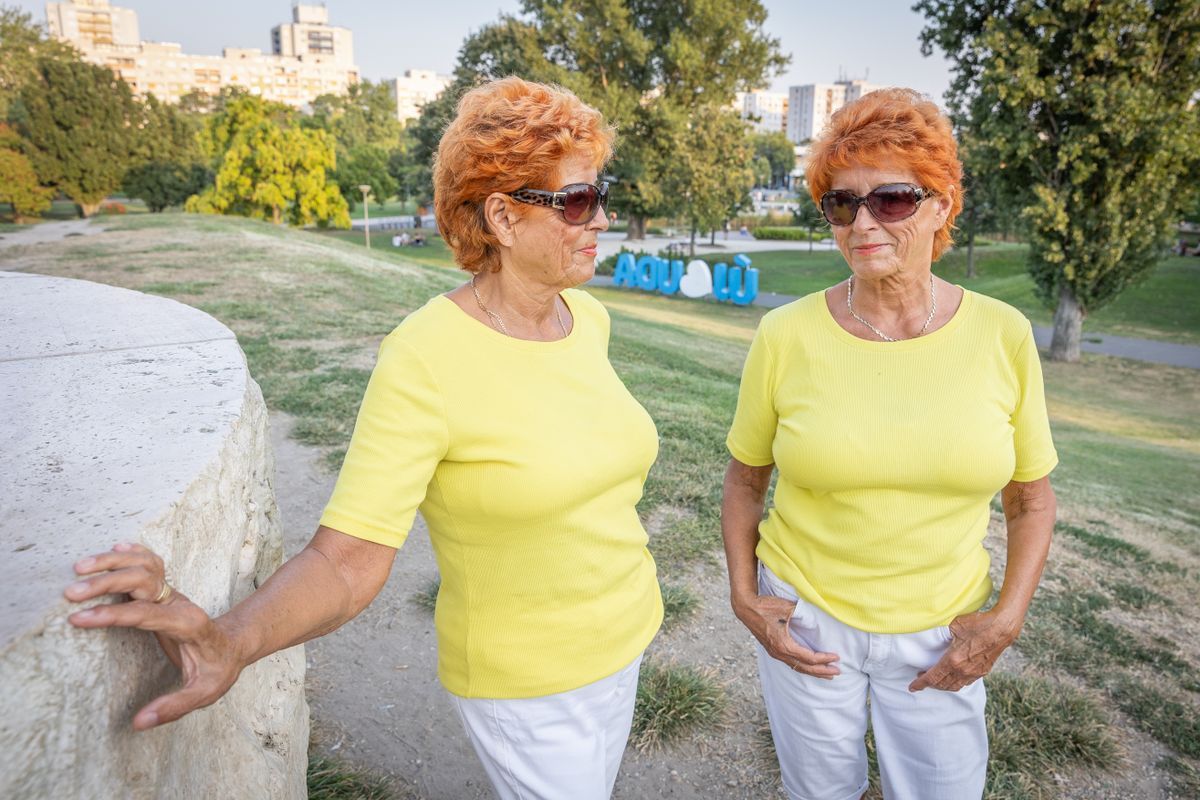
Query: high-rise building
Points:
[766, 111]
[811, 106]
[415, 88]
[309, 57]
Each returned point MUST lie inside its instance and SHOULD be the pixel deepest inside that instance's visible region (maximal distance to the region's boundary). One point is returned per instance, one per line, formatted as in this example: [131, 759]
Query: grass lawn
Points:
[434, 253]
[1166, 306]
[1113, 645]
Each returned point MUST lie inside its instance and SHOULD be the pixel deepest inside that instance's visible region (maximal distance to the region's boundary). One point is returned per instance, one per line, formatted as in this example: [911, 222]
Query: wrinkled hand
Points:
[767, 618]
[979, 639]
[202, 651]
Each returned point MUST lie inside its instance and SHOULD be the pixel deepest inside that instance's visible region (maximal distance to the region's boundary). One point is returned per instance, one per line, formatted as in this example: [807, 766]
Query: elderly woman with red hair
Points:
[495, 411]
[895, 405]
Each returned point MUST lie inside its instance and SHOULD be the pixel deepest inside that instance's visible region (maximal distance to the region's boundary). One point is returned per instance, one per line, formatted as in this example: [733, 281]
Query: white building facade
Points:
[310, 57]
[415, 88]
[811, 106]
[765, 111]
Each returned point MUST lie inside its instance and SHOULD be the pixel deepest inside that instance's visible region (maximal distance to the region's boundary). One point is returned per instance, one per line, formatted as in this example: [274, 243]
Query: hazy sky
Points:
[878, 40]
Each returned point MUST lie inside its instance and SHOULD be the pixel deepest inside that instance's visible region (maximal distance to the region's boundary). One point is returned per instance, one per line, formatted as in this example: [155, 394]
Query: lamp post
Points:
[365, 188]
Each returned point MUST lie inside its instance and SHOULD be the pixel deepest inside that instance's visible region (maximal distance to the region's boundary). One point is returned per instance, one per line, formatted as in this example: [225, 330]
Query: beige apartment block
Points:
[415, 88]
[810, 106]
[765, 111]
[310, 56]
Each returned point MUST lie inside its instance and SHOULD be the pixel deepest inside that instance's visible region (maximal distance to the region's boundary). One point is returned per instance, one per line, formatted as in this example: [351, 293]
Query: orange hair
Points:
[891, 125]
[506, 135]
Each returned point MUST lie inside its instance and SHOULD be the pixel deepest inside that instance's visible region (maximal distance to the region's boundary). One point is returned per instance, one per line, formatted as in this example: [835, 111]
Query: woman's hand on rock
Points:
[979, 639]
[767, 617]
[204, 653]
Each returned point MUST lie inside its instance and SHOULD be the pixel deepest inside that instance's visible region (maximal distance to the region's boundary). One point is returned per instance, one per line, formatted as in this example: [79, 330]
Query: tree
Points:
[779, 153]
[650, 66]
[365, 165]
[713, 169]
[80, 121]
[19, 185]
[364, 115]
[162, 184]
[22, 43]
[1082, 112]
[269, 167]
[807, 214]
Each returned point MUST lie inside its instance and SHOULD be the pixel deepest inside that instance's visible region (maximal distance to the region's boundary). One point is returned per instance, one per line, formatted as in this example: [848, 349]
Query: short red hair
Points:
[891, 125]
[506, 135]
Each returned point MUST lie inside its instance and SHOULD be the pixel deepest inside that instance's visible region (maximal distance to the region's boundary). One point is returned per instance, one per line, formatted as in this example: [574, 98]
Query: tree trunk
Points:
[87, 209]
[1068, 326]
[636, 227]
[712, 241]
[810, 233]
[277, 215]
[692, 245]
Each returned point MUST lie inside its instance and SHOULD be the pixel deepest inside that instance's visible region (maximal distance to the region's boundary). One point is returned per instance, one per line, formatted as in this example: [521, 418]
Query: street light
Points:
[365, 188]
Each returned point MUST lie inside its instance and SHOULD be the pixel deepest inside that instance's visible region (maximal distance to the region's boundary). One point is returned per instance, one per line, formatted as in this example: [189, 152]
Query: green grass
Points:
[434, 253]
[309, 310]
[1165, 306]
[331, 780]
[679, 604]
[426, 597]
[672, 702]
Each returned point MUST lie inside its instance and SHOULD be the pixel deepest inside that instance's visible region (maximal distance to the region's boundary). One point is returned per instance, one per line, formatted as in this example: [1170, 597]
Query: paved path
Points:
[1177, 355]
[43, 232]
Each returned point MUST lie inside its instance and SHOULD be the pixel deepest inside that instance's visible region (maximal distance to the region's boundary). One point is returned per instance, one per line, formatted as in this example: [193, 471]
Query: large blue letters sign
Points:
[737, 284]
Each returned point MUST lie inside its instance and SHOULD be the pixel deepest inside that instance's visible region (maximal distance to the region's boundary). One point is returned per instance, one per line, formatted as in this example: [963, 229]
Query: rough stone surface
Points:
[125, 417]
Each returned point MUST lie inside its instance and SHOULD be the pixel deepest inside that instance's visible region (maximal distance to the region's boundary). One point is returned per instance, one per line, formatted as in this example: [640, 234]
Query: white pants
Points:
[932, 745]
[565, 746]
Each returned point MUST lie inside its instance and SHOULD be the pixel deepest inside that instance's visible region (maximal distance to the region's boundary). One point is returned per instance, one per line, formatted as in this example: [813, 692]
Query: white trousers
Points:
[565, 746]
[932, 745]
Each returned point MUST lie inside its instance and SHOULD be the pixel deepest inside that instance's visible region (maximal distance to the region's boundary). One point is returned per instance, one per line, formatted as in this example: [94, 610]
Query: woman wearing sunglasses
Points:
[495, 410]
[895, 406]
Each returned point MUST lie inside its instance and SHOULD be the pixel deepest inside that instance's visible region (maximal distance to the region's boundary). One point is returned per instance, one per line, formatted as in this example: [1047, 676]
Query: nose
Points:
[602, 214]
[864, 220]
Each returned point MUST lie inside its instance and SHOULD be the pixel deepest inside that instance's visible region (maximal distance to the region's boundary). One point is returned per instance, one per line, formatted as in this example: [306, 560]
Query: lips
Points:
[589, 251]
[867, 249]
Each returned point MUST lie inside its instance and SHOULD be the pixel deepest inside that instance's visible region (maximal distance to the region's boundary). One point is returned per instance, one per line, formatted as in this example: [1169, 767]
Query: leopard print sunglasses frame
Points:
[577, 201]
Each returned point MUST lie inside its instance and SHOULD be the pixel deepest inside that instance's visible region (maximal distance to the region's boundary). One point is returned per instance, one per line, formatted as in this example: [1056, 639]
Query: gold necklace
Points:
[881, 334]
[499, 323]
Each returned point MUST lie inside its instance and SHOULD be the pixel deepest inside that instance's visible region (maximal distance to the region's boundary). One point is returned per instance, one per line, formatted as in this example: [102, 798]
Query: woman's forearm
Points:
[1030, 510]
[315, 592]
[744, 494]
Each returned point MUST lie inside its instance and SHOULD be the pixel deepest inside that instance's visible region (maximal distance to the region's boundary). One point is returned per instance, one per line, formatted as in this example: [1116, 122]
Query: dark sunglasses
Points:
[577, 201]
[891, 202]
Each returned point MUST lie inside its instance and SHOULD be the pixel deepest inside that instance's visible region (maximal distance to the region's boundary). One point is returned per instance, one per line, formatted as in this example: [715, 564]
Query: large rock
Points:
[125, 417]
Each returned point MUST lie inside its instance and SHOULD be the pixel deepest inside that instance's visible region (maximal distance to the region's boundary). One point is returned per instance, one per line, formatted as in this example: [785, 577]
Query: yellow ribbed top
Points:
[527, 460]
[888, 455]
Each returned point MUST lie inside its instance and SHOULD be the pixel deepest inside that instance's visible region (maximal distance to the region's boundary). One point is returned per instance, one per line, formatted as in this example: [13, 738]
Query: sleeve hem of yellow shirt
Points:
[747, 459]
[1031, 474]
[362, 530]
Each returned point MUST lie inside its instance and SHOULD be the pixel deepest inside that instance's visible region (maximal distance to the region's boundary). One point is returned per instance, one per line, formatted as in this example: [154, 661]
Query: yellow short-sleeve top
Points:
[527, 460]
[888, 455]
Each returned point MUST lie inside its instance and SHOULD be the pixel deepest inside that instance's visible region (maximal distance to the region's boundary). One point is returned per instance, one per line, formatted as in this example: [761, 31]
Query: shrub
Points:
[789, 234]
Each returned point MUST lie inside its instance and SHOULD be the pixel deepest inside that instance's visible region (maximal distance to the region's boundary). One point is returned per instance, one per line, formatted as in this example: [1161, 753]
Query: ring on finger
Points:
[165, 593]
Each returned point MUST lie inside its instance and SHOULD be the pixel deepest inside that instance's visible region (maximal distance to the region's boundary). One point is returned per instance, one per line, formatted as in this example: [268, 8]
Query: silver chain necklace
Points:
[499, 323]
[881, 334]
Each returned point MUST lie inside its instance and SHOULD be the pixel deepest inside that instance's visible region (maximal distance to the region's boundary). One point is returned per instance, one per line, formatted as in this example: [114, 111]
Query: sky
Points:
[877, 42]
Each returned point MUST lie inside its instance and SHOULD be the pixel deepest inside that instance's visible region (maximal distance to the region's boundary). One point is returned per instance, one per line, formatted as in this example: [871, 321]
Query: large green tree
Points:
[22, 43]
[19, 185]
[779, 153]
[81, 125]
[268, 167]
[1083, 112]
[653, 68]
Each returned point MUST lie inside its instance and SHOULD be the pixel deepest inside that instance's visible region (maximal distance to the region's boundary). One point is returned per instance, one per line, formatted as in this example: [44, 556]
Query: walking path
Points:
[1177, 355]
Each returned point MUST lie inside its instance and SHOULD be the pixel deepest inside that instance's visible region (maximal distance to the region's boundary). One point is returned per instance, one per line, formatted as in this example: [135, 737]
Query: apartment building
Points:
[811, 106]
[309, 57]
[766, 111]
[415, 88]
